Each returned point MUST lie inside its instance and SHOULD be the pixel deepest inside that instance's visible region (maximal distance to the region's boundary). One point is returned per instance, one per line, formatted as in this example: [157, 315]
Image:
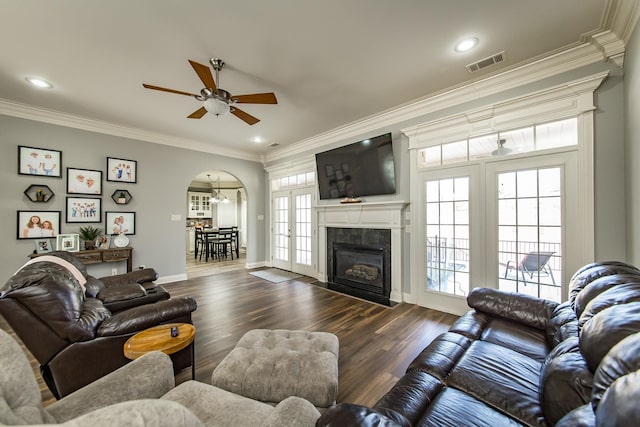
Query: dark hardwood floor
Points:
[376, 342]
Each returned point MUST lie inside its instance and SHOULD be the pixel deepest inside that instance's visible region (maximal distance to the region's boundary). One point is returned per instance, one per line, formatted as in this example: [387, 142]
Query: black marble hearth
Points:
[359, 262]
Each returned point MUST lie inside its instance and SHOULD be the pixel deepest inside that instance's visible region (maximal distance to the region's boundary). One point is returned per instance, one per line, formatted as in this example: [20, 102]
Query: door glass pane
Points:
[447, 239]
[303, 229]
[529, 248]
[281, 228]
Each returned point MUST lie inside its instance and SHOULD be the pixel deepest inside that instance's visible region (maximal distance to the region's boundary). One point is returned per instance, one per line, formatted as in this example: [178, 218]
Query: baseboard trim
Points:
[251, 265]
[170, 279]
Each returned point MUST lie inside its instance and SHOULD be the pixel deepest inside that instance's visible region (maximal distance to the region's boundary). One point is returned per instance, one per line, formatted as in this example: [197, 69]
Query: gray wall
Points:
[610, 231]
[164, 174]
[632, 145]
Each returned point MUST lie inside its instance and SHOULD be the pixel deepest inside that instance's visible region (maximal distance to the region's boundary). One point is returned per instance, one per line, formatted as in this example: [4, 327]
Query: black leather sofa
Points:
[519, 360]
[77, 331]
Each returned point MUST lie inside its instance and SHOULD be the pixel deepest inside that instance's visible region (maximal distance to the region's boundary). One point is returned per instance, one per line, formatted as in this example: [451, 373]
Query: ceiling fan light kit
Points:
[218, 101]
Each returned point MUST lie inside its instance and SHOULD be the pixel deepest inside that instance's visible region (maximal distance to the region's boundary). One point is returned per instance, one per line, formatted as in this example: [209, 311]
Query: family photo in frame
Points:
[120, 223]
[84, 181]
[43, 246]
[38, 224]
[122, 170]
[84, 209]
[68, 242]
[39, 162]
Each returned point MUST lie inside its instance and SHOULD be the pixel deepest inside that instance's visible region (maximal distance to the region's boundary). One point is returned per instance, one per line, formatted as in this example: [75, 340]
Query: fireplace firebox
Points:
[359, 263]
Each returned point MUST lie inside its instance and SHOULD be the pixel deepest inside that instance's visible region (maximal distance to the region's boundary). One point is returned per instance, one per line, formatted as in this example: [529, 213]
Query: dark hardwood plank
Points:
[376, 342]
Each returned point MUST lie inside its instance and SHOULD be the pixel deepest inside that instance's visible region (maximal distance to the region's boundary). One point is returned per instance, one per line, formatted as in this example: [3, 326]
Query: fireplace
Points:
[359, 262]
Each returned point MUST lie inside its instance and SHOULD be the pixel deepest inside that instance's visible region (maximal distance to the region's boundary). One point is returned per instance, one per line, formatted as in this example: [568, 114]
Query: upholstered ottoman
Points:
[271, 365]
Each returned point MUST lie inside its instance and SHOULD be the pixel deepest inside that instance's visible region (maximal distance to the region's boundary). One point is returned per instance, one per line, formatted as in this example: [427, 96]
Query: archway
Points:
[215, 198]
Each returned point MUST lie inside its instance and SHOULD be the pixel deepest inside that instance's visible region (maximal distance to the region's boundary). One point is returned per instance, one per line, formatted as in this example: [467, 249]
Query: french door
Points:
[502, 224]
[292, 231]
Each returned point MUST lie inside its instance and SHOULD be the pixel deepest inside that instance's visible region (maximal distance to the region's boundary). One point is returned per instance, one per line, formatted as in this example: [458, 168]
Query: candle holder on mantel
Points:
[350, 200]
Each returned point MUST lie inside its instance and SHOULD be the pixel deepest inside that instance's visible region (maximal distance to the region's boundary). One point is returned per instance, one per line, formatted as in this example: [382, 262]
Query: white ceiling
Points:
[329, 62]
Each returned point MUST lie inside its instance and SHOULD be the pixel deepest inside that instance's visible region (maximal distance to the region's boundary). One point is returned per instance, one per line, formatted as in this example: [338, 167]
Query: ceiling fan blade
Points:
[248, 118]
[205, 75]
[164, 89]
[256, 98]
[198, 113]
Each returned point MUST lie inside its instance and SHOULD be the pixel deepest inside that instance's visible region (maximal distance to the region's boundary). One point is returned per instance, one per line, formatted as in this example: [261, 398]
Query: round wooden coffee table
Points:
[159, 338]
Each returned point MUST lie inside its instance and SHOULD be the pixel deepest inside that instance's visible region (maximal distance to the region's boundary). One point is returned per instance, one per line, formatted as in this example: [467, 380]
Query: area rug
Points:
[275, 275]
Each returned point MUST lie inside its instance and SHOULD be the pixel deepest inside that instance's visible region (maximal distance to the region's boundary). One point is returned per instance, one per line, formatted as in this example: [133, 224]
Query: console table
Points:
[96, 256]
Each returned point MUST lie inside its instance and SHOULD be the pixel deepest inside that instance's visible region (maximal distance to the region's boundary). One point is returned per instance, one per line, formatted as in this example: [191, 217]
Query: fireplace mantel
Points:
[380, 215]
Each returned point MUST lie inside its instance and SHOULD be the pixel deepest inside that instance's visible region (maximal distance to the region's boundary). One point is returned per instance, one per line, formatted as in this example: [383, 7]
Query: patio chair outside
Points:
[533, 262]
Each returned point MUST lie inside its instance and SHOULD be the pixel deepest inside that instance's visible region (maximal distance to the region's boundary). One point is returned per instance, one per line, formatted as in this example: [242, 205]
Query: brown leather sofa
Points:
[519, 360]
[72, 333]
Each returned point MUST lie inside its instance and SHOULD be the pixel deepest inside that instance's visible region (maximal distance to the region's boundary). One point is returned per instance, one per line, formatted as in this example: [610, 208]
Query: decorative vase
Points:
[122, 200]
[89, 245]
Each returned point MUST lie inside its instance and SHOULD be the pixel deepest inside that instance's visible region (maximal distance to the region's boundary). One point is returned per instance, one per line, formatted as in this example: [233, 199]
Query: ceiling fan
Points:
[218, 101]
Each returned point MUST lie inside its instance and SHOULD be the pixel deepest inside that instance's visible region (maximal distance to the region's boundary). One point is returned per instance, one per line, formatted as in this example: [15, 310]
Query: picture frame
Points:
[68, 242]
[122, 170]
[47, 224]
[103, 242]
[43, 245]
[84, 209]
[39, 162]
[84, 181]
[120, 223]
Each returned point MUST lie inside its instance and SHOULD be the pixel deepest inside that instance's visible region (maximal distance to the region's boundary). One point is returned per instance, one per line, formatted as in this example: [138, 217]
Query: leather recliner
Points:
[72, 333]
[519, 360]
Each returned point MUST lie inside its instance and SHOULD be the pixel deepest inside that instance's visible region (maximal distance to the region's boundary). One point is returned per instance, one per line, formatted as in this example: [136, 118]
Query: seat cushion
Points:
[531, 342]
[501, 378]
[271, 365]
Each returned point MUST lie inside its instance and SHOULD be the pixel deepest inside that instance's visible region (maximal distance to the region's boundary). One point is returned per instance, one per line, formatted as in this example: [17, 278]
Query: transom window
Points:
[533, 138]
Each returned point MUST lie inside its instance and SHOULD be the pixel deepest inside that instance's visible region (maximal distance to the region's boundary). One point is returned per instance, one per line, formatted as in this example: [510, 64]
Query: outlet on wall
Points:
[114, 271]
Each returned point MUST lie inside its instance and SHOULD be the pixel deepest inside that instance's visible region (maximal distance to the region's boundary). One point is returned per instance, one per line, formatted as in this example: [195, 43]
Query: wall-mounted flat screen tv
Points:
[364, 168]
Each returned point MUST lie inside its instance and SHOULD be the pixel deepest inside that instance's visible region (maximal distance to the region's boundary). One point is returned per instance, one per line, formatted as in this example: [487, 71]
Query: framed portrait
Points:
[84, 209]
[103, 242]
[39, 161]
[38, 224]
[84, 181]
[43, 245]
[68, 242]
[120, 223]
[122, 170]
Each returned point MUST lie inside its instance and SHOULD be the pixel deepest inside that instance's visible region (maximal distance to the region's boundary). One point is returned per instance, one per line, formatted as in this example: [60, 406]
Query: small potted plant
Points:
[122, 198]
[40, 195]
[89, 234]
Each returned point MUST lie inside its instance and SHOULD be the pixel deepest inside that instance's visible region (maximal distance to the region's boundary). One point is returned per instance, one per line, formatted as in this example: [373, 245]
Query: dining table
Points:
[211, 233]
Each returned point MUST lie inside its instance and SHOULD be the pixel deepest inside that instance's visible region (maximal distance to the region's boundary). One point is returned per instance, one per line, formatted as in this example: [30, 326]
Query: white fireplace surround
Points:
[379, 215]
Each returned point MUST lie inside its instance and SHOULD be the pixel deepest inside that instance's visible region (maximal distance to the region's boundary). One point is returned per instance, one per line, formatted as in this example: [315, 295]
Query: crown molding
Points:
[594, 50]
[554, 103]
[24, 111]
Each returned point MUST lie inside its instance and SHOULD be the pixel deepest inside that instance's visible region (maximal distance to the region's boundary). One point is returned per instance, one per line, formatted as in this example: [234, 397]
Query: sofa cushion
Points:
[606, 329]
[502, 378]
[20, 400]
[597, 287]
[593, 271]
[441, 355]
[217, 407]
[621, 360]
[453, 408]
[122, 292]
[620, 294]
[563, 324]
[565, 382]
[518, 337]
[409, 397]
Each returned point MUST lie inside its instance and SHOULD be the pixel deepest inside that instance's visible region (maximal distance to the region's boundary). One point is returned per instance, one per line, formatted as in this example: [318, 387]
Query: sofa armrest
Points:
[158, 413]
[521, 308]
[145, 316]
[292, 411]
[137, 276]
[148, 377]
[348, 414]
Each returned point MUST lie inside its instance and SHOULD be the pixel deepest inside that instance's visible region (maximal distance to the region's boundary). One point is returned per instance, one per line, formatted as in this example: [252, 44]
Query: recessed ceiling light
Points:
[466, 44]
[258, 140]
[39, 83]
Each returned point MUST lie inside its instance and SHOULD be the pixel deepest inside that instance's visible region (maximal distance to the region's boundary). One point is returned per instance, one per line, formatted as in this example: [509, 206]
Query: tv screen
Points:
[364, 168]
